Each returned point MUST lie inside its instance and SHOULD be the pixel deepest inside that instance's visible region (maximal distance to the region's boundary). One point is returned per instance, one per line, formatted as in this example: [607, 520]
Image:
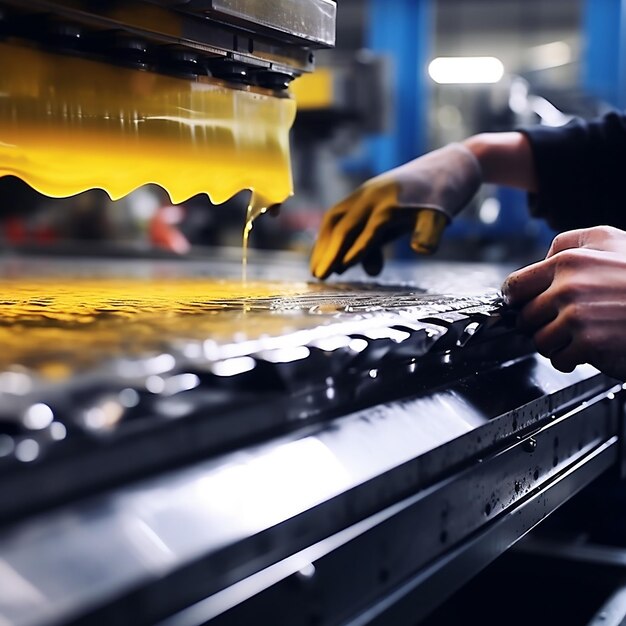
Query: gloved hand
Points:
[419, 197]
[573, 303]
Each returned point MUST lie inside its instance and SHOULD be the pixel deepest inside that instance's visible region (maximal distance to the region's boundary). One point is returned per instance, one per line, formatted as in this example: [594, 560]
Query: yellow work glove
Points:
[420, 197]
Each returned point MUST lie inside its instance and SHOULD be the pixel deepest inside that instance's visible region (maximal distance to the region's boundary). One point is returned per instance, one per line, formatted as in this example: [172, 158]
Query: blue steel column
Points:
[604, 61]
[403, 31]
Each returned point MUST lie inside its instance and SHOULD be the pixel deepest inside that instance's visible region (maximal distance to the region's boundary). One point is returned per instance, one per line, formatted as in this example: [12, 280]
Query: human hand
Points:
[419, 197]
[574, 302]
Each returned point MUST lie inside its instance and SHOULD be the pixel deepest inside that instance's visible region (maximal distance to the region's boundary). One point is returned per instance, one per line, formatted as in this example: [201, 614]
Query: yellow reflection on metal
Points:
[60, 326]
[69, 124]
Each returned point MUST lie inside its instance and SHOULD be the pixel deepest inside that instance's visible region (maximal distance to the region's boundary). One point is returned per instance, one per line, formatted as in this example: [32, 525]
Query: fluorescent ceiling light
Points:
[548, 55]
[466, 70]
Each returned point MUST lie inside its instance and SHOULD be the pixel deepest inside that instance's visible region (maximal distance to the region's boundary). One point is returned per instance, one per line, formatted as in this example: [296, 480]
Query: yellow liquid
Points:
[62, 324]
[257, 206]
[59, 326]
[69, 124]
[247, 228]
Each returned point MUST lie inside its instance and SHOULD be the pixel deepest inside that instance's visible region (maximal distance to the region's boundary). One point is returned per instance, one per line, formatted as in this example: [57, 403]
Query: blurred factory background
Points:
[542, 62]
[380, 98]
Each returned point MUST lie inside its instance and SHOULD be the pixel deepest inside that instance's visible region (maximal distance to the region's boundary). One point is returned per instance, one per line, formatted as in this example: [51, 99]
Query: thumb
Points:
[373, 262]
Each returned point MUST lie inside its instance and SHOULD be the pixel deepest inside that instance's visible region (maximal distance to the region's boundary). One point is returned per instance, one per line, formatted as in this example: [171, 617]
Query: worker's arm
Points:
[505, 159]
[438, 184]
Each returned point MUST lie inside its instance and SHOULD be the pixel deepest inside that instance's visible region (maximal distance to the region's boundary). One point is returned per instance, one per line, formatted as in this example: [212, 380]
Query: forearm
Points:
[505, 159]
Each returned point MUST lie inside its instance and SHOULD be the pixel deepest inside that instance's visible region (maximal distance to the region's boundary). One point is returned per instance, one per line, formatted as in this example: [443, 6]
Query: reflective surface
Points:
[103, 358]
[79, 556]
[244, 424]
[313, 20]
[58, 318]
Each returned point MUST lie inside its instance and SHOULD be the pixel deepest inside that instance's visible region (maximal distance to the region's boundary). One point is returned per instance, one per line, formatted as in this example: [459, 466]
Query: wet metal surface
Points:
[245, 508]
[197, 433]
[57, 318]
[101, 360]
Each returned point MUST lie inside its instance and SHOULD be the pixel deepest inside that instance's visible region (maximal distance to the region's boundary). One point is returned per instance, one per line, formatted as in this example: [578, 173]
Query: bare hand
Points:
[574, 301]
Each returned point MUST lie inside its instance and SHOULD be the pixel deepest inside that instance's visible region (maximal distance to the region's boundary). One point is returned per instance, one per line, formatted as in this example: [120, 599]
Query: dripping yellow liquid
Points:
[257, 206]
[247, 228]
[69, 124]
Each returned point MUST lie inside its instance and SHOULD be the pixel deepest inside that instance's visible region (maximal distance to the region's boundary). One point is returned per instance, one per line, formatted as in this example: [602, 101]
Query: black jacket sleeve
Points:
[581, 172]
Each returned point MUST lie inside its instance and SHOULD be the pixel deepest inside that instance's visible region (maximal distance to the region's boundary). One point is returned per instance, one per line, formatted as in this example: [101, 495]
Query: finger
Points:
[428, 231]
[538, 312]
[566, 241]
[341, 238]
[568, 358]
[385, 224]
[373, 262]
[375, 223]
[329, 221]
[553, 338]
[372, 257]
[602, 238]
[527, 283]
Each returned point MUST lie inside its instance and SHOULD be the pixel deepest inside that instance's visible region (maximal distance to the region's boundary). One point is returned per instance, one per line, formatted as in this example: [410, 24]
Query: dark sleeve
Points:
[581, 172]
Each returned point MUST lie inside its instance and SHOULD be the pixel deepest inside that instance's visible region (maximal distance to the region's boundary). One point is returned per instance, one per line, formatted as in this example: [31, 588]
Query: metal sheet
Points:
[116, 370]
[62, 309]
[221, 510]
[232, 512]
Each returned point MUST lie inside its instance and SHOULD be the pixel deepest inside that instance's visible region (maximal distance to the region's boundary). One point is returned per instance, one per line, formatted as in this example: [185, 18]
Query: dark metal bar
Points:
[309, 20]
[373, 557]
[424, 592]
